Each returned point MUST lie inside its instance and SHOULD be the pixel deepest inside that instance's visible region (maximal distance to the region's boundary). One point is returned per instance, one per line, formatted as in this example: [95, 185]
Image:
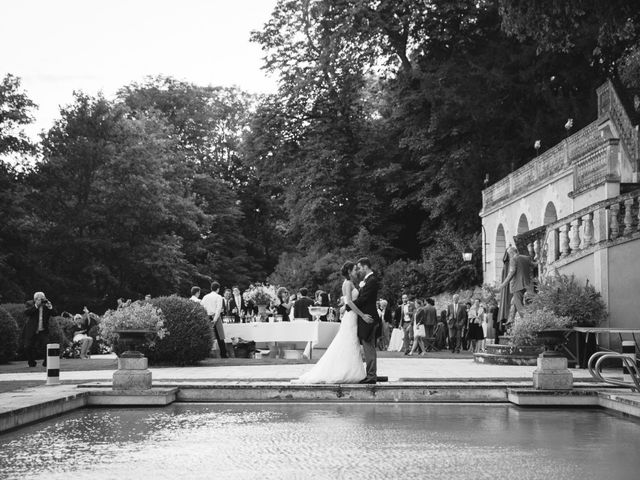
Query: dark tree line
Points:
[388, 118]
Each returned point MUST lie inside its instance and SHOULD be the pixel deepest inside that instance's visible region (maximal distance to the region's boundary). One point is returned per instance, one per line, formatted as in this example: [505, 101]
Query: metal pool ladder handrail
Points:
[628, 362]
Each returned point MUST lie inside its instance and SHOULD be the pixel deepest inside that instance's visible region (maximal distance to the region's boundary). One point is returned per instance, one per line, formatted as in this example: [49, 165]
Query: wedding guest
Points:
[282, 305]
[387, 324]
[441, 331]
[301, 307]
[431, 317]
[36, 329]
[228, 306]
[419, 331]
[212, 303]
[83, 324]
[239, 304]
[322, 300]
[456, 321]
[476, 316]
[195, 294]
[147, 297]
[408, 311]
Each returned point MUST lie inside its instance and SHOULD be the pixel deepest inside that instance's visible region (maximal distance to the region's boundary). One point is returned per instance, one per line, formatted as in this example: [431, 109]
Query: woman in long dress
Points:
[342, 362]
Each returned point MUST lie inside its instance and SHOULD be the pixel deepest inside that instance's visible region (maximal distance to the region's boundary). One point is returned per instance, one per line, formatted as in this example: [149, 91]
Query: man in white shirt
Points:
[195, 294]
[212, 303]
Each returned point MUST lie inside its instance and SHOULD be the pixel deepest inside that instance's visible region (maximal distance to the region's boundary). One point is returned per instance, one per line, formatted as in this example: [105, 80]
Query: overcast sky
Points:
[57, 46]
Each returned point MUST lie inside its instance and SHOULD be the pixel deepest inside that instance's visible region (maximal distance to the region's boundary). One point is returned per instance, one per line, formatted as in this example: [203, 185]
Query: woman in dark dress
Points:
[282, 305]
[476, 334]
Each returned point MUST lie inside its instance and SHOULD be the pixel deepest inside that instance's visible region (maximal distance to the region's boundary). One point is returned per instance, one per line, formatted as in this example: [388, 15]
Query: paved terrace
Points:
[399, 368]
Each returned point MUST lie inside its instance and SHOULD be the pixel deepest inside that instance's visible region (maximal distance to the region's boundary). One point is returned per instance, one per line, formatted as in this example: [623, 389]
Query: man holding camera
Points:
[36, 330]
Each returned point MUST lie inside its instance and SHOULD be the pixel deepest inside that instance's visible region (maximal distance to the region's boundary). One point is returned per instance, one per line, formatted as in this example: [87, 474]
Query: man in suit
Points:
[457, 322]
[301, 307]
[407, 312]
[239, 307]
[384, 312]
[36, 329]
[431, 317]
[212, 303]
[519, 279]
[369, 327]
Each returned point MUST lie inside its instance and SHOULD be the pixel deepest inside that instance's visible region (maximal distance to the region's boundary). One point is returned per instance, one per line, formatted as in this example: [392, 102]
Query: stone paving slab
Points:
[394, 368]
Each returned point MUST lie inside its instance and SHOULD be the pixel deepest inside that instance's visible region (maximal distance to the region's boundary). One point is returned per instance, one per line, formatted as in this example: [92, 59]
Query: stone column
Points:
[613, 220]
[574, 236]
[600, 227]
[587, 230]
[628, 219]
[564, 241]
[132, 373]
[552, 373]
[552, 246]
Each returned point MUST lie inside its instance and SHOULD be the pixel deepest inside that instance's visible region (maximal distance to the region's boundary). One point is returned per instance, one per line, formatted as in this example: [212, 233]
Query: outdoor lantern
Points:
[467, 255]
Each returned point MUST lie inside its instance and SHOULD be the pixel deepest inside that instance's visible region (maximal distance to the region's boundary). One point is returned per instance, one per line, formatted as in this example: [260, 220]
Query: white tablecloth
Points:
[395, 343]
[320, 333]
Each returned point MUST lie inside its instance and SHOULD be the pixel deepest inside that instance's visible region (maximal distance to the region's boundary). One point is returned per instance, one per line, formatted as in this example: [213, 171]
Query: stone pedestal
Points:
[552, 373]
[132, 374]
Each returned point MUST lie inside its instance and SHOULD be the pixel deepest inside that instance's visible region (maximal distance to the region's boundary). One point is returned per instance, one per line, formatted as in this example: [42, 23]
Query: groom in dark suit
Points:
[368, 328]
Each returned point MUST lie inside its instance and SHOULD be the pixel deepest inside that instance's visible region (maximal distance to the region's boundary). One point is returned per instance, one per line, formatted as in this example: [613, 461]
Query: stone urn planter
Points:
[133, 372]
[551, 339]
[132, 340]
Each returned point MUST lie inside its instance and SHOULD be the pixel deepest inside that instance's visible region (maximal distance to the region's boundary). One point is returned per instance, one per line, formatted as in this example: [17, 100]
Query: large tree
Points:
[114, 204]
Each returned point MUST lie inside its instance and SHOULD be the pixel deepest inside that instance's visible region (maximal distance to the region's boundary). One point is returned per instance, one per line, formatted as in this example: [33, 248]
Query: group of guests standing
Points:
[461, 326]
[232, 306]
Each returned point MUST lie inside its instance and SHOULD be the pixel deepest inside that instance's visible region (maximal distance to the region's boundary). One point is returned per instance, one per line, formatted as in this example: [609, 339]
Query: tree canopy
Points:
[389, 117]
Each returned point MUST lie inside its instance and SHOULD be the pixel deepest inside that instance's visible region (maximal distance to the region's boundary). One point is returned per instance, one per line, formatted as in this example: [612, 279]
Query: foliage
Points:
[191, 336]
[14, 113]
[61, 331]
[135, 316]
[564, 296]
[261, 294]
[9, 335]
[599, 28]
[524, 330]
[16, 310]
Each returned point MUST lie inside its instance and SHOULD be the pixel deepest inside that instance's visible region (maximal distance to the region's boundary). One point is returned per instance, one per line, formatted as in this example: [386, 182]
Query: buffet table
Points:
[317, 334]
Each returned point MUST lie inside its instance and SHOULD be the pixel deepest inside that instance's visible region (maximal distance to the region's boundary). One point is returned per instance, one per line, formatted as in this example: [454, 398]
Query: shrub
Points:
[16, 310]
[564, 296]
[524, 331]
[9, 334]
[191, 337]
[134, 316]
[61, 331]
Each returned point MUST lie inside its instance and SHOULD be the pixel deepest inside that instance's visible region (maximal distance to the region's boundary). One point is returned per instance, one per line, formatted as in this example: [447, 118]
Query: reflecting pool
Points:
[385, 441]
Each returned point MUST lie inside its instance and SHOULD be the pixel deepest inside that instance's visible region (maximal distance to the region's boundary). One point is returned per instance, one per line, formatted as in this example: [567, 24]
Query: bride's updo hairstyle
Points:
[346, 269]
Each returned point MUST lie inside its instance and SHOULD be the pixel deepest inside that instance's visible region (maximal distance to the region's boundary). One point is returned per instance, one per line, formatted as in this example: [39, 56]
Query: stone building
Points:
[575, 209]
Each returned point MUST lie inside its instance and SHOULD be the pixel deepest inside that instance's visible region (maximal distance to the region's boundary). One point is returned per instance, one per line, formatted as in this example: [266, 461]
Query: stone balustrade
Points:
[557, 159]
[602, 222]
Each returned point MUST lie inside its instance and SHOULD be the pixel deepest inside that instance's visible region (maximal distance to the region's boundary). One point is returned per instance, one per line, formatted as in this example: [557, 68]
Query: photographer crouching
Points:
[36, 330]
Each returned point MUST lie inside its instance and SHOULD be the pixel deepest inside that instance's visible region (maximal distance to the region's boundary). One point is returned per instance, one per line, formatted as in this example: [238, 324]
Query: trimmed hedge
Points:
[9, 335]
[16, 310]
[190, 337]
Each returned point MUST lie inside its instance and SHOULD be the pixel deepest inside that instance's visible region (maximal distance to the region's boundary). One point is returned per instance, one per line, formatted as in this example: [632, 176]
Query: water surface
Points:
[373, 441]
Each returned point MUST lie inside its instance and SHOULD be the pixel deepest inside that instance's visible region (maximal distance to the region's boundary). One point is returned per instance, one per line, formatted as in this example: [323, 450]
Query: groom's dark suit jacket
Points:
[366, 302]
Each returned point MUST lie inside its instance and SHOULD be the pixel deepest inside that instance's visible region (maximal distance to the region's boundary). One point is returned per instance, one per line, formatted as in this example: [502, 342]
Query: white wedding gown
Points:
[342, 362]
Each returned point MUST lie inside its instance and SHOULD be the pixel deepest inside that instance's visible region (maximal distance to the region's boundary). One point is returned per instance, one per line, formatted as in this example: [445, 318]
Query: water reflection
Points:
[383, 441]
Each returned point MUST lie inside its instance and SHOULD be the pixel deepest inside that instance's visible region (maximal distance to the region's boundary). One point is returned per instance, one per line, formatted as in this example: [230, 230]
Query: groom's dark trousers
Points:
[370, 356]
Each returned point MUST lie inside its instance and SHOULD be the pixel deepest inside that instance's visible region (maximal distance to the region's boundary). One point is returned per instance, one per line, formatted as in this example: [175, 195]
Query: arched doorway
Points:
[523, 224]
[550, 214]
[501, 246]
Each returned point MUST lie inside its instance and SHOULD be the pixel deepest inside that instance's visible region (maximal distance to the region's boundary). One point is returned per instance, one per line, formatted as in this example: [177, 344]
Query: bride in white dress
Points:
[342, 362]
